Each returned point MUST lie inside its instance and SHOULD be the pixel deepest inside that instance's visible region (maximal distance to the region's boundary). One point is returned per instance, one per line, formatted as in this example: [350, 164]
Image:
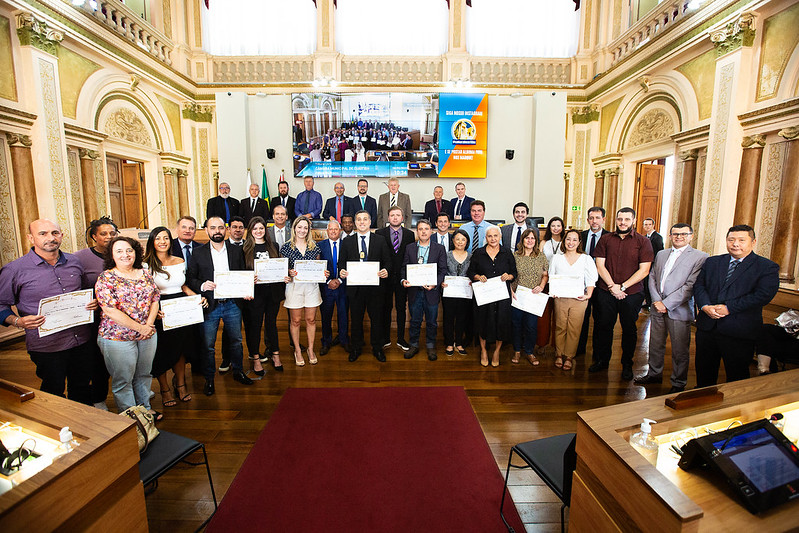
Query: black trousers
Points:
[456, 313]
[257, 313]
[372, 302]
[607, 310]
[72, 367]
[396, 296]
[712, 347]
[590, 308]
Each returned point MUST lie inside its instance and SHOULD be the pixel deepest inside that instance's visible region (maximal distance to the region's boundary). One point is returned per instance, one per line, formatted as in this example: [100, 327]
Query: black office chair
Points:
[554, 460]
[164, 452]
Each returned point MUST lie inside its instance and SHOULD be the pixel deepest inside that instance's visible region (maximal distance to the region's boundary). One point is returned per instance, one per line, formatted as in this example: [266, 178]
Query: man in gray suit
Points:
[280, 233]
[390, 199]
[511, 233]
[671, 284]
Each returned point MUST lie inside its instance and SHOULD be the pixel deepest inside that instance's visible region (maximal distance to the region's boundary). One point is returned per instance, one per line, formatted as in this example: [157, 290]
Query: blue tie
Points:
[363, 247]
[187, 252]
[335, 261]
[731, 269]
[227, 211]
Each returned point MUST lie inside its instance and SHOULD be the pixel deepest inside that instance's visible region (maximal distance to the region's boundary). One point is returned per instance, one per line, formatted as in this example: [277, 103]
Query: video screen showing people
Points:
[365, 135]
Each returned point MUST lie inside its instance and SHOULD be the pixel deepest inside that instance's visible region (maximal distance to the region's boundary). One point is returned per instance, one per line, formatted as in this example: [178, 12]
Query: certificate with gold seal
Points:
[65, 311]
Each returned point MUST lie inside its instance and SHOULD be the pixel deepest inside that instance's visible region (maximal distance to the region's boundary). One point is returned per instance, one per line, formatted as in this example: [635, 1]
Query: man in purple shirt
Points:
[45, 271]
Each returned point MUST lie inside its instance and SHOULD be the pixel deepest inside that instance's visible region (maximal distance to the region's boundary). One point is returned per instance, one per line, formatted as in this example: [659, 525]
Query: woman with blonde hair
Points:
[302, 299]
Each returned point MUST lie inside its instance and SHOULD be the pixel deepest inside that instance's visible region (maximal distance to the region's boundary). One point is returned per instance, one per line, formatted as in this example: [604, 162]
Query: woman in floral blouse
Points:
[129, 299]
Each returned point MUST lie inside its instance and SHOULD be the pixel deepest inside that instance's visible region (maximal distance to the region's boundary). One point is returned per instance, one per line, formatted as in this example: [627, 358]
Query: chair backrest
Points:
[569, 464]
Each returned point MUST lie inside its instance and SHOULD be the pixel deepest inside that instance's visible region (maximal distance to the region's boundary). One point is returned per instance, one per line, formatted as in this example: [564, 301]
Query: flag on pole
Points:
[282, 177]
[249, 178]
[265, 188]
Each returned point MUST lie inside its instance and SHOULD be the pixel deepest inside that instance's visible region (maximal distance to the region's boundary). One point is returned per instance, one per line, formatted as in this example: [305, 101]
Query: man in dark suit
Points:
[730, 293]
[283, 199]
[442, 235]
[223, 206]
[338, 205]
[363, 201]
[218, 256]
[511, 233]
[461, 204]
[398, 238]
[184, 246]
[657, 245]
[253, 205]
[589, 239]
[280, 231]
[423, 300]
[365, 246]
[437, 205]
[334, 292]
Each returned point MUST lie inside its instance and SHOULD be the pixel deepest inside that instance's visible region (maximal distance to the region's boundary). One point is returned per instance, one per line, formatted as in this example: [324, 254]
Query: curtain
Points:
[392, 27]
[522, 28]
[259, 27]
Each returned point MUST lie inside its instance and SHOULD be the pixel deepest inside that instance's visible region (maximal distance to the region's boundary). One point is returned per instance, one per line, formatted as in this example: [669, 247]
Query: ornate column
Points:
[599, 187]
[786, 231]
[612, 175]
[457, 64]
[88, 160]
[749, 180]
[183, 193]
[686, 209]
[24, 184]
[566, 177]
[170, 175]
[327, 61]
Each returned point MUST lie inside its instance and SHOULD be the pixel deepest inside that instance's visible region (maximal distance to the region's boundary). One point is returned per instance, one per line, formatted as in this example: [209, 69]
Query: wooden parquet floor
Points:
[514, 403]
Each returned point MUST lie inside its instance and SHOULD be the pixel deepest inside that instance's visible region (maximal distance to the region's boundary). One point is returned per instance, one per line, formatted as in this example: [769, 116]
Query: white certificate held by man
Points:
[65, 311]
[458, 287]
[234, 284]
[310, 271]
[183, 311]
[422, 275]
[271, 270]
[566, 286]
[363, 273]
[491, 291]
[529, 301]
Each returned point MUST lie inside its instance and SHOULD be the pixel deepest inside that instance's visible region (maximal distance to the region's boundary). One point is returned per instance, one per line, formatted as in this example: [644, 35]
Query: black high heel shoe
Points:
[278, 368]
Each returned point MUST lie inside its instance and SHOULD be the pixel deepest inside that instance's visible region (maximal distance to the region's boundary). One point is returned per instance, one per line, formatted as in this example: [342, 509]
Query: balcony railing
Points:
[388, 69]
[263, 69]
[520, 71]
[664, 17]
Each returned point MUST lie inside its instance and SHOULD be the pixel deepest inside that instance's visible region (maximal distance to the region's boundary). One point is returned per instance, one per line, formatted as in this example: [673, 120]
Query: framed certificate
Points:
[363, 273]
[421, 275]
[234, 284]
[184, 311]
[65, 311]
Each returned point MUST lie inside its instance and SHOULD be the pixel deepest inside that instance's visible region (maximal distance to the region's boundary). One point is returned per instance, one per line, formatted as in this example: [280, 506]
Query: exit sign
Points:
[575, 208]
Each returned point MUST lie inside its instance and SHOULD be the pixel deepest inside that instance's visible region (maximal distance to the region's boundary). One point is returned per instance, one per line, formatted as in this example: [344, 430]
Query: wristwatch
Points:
[622, 288]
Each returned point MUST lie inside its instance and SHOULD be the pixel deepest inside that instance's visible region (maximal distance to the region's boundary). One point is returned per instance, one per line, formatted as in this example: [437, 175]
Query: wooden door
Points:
[114, 172]
[133, 195]
[650, 194]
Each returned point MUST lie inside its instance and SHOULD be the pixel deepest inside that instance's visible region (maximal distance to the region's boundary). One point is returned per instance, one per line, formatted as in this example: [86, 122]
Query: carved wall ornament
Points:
[85, 153]
[599, 174]
[656, 124]
[198, 113]
[135, 79]
[168, 171]
[753, 141]
[644, 82]
[614, 171]
[36, 33]
[585, 114]
[125, 124]
[789, 134]
[183, 173]
[734, 34]
[18, 139]
[689, 155]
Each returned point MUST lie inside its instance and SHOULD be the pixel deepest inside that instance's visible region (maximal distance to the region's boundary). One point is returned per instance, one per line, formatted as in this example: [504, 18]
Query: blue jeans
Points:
[421, 308]
[524, 330]
[230, 314]
[130, 364]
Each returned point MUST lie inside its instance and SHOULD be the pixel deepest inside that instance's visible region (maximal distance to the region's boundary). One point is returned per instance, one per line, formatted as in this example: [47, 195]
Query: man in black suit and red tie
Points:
[337, 206]
[589, 239]
[437, 205]
[365, 246]
[253, 205]
[730, 293]
[283, 199]
[223, 206]
[397, 238]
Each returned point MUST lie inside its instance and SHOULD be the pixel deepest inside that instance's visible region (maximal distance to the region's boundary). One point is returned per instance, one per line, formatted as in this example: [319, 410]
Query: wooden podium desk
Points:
[616, 489]
[95, 487]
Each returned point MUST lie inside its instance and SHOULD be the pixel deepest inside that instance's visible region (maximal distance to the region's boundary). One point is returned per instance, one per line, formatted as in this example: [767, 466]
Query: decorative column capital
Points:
[614, 171]
[753, 141]
[585, 114]
[198, 113]
[36, 33]
[169, 171]
[216, 175]
[689, 155]
[18, 139]
[182, 173]
[599, 174]
[734, 35]
[566, 176]
[789, 134]
[85, 153]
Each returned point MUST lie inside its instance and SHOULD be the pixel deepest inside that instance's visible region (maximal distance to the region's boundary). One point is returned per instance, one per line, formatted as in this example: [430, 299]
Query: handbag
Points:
[145, 425]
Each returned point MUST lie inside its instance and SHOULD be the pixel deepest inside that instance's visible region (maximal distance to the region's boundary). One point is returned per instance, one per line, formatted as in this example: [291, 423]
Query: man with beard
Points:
[284, 199]
[512, 233]
[363, 201]
[623, 259]
[223, 206]
[217, 256]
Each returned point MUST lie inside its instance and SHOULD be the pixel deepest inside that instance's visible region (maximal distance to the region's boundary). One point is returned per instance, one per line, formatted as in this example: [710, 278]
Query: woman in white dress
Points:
[569, 312]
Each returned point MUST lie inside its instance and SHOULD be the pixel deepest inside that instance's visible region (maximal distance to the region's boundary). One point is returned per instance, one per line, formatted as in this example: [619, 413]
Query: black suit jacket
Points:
[330, 207]
[378, 251]
[371, 207]
[753, 284]
[261, 210]
[657, 242]
[438, 256]
[177, 248]
[216, 207]
[289, 206]
[430, 211]
[584, 238]
[201, 269]
[436, 237]
[465, 210]
[407, 237]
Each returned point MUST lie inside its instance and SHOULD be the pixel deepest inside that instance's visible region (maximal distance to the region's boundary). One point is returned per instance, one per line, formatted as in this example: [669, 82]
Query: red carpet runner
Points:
[368, 459]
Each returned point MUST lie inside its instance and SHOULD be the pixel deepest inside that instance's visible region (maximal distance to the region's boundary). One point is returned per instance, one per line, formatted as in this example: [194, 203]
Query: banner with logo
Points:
[462, 135]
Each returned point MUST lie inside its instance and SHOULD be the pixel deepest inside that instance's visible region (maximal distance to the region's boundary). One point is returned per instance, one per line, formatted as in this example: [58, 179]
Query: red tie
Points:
[438, 206]
[338, 209]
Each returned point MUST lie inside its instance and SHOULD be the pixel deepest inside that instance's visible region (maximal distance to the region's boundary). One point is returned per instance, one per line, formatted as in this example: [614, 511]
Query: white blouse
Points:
[584, 266]
[176, 280]
[551, 249]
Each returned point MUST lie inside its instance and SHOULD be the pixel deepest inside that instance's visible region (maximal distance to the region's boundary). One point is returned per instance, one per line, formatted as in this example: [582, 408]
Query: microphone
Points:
[148, 213]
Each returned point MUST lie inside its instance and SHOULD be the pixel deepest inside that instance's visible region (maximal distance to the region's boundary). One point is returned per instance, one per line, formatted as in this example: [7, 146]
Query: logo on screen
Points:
[464, 132]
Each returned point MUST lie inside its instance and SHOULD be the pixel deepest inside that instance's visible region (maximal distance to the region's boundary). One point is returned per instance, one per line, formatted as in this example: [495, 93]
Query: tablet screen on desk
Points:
[759, 456]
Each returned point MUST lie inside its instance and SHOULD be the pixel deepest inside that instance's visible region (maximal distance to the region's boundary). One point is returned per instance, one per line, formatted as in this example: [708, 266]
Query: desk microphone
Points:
[148, 213]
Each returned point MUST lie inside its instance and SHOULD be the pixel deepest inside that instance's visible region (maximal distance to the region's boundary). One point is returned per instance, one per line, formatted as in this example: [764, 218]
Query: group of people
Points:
[129, 343]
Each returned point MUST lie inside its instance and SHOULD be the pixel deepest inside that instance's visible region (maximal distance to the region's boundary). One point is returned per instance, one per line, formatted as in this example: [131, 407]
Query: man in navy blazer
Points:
[437, 205]
[331, 210]
[334, 292]
[461, 204]
[423, 301]
[730, 293]
[186, 230]
[363, 201]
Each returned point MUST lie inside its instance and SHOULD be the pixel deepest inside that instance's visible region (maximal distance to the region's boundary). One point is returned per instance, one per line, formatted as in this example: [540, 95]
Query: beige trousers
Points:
[569, 314]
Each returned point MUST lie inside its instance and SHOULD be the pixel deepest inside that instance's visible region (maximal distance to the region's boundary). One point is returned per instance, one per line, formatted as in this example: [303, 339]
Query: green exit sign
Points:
[575, 208]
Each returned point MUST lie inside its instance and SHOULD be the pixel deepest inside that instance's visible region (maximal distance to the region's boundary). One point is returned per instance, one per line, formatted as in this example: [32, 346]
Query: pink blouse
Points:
[131, 296]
